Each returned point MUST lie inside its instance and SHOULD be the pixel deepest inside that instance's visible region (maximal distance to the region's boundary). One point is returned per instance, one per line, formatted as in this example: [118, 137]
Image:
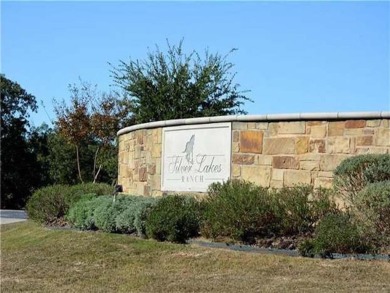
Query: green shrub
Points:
[125, 215]
[51, 203]
[372, 210]
[354, 173]
[336, 233]
[81, 214]
[174, 218]
[77, 191]
[48, 203]
[106, 214]
[133, 217]
[239, 210]
[301, 207]
[306, 248]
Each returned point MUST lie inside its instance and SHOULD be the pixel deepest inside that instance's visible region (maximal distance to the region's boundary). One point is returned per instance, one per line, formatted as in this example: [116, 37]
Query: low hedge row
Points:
[173, 218]
[51, 203]
[241, 211]
[127, 214]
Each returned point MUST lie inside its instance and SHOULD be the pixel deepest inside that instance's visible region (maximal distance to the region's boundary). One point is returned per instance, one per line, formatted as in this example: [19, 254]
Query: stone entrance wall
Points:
[268, 152]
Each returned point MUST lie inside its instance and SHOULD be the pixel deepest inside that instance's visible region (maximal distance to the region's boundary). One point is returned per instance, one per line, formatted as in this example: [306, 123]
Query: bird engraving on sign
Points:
[189, 150]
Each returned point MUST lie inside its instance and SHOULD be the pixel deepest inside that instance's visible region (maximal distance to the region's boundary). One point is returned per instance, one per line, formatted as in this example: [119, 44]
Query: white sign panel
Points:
[194, 156]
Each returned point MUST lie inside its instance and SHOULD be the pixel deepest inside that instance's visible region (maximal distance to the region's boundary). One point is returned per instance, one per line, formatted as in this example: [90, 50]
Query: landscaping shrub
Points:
[239, 210]
[133, 217]
[51, 203]
[336, 233]
[106, 213]
[301, 207]
[77, 191]
[81, 214]
[48, 203]
[354, 173]
[125, 215]
[174, 218]
[372, 211]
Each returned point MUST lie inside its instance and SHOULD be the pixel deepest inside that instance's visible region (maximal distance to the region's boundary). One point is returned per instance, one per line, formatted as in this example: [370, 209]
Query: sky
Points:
[293, 57]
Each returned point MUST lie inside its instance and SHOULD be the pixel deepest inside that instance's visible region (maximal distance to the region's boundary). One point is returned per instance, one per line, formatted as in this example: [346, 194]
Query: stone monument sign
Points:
[194, 156]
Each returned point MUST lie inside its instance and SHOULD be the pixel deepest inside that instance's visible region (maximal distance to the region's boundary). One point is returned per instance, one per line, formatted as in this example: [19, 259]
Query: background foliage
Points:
[179, 85]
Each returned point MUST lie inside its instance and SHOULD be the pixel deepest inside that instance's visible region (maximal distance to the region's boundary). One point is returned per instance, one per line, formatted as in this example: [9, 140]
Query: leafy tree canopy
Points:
[89, 124]
[19, 166]
[176, 85]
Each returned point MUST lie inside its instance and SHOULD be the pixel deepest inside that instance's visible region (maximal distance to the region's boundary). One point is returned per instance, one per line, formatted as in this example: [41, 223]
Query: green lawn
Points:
[36, 259]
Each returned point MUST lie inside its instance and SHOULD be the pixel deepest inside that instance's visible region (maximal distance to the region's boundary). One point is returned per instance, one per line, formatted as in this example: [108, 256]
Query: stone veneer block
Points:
[239, 126]
[309, 165]
[364, 140]
[262, 125]
[292, 127]
[285, 162]
[235, 147]
[236, 136]
[317, 146]
[156, 151]
[336, 128]
[263, 160]
[251, 142]
[276, 184]
[236, 170]
[273, 129]
[355, 123]
[279, 146]
[325, 174]
[277, 175]
[151, 169]
[355, 131]
[315, 123]
[323, 182]
[318, 131]
[156, 182]
[251, 125]
[378, 150]
[373, 123]
[338, 145]
[296, 177]
[259, 175]
[302, 145]
[243, 159]
[330, 162]
[382, 137]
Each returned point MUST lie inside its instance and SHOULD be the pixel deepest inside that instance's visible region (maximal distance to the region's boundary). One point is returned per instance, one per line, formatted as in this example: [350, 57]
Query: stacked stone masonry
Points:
[140, 162]
[270, 154]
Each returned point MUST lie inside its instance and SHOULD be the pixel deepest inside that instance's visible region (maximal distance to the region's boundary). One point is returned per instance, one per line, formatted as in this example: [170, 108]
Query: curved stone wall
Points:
[270, 150]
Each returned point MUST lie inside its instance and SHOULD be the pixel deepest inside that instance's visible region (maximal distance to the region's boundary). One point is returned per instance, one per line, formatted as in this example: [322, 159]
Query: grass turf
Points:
[37, 259]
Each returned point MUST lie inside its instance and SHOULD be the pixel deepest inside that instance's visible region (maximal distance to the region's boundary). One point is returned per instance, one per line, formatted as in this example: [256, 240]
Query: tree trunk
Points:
[78, 163]
[96, 174]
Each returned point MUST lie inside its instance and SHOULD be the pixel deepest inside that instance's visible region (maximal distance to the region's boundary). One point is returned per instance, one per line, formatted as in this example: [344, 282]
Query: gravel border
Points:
[286, 252]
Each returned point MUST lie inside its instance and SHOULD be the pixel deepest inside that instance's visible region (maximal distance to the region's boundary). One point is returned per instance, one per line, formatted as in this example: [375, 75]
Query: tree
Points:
[19, 166]
[90, 124]
[175, 85]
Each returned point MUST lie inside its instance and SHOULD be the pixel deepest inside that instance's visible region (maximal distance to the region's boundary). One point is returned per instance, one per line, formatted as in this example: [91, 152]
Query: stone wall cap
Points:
[259, 118]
